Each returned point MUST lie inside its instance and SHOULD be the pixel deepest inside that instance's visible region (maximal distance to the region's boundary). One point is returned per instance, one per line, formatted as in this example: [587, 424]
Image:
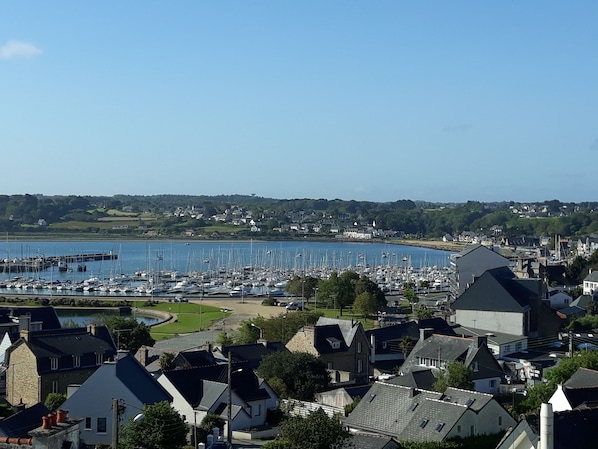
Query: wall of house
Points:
[503, 322]
[559, 401]
[63, 379]
[22, 381]
[303, 341]
[484, 422]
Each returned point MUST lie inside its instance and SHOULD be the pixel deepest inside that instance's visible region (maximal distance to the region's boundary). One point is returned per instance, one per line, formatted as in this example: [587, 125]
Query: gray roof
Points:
[411, 414]
[592, 277]
[498, 290]
[348, 328]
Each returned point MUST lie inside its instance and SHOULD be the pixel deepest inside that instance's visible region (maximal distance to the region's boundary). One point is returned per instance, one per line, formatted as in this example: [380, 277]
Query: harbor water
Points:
[256, 267]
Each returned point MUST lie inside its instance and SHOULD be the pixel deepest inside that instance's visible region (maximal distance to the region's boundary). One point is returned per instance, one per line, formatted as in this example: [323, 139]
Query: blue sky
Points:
[425, 100]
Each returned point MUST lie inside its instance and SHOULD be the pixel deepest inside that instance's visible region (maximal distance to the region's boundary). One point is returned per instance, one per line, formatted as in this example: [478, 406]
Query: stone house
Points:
[341, 344]
[47, 361]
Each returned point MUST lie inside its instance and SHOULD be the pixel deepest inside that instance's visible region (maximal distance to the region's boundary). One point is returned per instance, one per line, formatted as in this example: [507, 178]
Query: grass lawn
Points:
[190, 317]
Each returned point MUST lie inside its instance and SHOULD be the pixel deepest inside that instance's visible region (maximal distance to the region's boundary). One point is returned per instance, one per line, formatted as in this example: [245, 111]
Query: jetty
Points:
[35, 264]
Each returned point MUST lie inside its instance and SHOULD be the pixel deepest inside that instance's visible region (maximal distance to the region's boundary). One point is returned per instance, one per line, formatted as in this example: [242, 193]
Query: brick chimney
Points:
[24, 334]
[91, 329]
[142, 355]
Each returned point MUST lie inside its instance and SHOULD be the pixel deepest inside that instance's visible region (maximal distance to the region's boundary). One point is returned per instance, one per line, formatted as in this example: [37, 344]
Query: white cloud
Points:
[15, 49]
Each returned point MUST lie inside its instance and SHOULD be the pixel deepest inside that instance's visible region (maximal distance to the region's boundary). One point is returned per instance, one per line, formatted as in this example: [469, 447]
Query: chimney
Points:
[142, 355]
[61, 416]
[24, 334]
[46, 422]
[91, 329]
[546, 427]
[24, 322]
[425, 333]
[479, 340]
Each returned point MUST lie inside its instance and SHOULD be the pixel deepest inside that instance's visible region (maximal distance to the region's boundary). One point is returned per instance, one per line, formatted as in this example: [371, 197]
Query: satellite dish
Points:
[138, 417]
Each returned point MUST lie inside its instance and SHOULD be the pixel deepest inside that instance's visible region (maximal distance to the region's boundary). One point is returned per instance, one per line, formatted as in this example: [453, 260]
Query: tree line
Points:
[21, 213]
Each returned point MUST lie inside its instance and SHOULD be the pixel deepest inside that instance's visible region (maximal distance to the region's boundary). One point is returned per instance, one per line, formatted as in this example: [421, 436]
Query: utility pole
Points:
[229, 426]
[115, 422]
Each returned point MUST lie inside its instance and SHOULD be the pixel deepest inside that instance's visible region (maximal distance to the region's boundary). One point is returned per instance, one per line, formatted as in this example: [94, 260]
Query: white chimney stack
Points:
[546, 427]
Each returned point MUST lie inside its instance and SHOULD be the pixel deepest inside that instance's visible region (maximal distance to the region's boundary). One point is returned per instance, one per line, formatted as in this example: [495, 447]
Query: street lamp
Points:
[316, 300]
[229, 400]
[261, 330]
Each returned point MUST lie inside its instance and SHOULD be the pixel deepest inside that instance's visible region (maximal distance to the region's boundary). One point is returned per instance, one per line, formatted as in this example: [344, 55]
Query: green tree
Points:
[304, 286]
[224, 339]
[166, 361]
[128, 333]
[207, 425]
[315, 431]
[54, 400]
[365, 305]
[161, 427]
[422, 313]
[299, 375]
[456, 375]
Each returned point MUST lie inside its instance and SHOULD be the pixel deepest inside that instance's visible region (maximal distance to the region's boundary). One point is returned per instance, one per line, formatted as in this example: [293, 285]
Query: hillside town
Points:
[506, 320]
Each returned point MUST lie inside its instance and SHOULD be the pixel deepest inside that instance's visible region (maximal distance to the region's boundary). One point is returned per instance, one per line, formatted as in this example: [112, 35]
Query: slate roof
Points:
[134, 376]
[416, 378]
[348, 328]
[19, 424]
[46, 315]
[582, 387]
[190, 382]
[592, 277]
[253, 353]
[64, 343]
[412, 414]
[498, 290]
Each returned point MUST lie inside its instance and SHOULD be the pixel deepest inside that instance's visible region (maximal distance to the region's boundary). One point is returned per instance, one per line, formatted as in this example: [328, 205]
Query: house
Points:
[410, 414]
[580, 389]
[367, 441]
[388, 343]
[341, 344]
[554, 430]
[558, 299]
[47, 361]
[471, 263]
[198, 391]
[500, 302]
[437, 351]
[590, 283]
[123, 380]
[500, 344]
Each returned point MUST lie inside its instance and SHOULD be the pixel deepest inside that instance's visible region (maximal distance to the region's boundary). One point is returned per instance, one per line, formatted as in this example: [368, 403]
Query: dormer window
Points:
[53, 363]
[334, 343]
[99, 358]
[358, 347]
[76, 361]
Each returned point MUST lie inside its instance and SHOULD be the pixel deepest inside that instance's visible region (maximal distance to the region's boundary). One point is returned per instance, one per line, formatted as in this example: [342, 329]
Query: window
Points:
[88, 423]
[54, 386]
[518, 346]
[101, 425]
[500, 420]
[475, 367]
[359, 347]
[439, 427]
[384, 345]
[257, 410]
[99, 358]
[359, 365]
[54, 363]
[423, 423]
[413, 406]
[76, 361]
[458, 429]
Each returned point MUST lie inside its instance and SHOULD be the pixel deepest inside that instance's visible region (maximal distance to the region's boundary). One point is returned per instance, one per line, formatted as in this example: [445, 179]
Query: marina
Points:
[180, 269]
